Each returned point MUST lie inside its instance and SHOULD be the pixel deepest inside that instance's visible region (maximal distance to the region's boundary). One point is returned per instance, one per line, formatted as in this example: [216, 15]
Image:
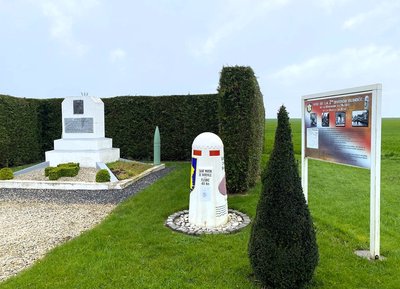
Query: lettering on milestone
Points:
[78, 125]
[78, 106]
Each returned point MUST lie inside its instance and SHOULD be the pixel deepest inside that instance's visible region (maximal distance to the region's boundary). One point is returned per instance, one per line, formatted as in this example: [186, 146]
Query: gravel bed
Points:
[32, 222]
[84, 175]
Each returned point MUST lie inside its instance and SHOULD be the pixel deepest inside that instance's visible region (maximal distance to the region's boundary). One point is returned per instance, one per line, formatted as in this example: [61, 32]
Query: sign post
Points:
[344, 127]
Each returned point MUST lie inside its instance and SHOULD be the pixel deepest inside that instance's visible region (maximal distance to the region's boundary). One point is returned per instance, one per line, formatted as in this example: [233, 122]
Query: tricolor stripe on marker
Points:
[197, 152]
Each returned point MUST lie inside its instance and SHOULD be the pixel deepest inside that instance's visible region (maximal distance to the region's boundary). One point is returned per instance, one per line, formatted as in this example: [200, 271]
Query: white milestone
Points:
[83, 138]
[208, 205]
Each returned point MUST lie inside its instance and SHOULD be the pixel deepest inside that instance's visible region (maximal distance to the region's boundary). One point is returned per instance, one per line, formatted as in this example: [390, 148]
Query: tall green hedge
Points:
[28, 127]
[241, 119]
[19, 131]
[131, 121]
[49, 112]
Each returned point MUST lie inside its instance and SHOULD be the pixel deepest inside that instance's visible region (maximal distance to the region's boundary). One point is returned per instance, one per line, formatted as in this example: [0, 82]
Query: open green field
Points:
[133, 249]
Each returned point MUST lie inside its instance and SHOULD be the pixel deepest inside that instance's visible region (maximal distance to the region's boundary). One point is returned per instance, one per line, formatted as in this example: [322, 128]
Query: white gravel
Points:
[29, 230]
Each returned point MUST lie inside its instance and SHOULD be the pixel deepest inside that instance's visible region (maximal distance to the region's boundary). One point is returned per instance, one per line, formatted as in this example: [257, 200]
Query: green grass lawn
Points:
[133, 249]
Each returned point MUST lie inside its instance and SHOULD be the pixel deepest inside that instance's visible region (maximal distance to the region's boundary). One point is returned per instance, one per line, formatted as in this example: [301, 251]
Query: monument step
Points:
[83, 144]
[86, 158]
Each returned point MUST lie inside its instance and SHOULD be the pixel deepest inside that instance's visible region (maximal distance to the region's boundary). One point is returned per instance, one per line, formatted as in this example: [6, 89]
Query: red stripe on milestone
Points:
[197, 152]
[214, 153]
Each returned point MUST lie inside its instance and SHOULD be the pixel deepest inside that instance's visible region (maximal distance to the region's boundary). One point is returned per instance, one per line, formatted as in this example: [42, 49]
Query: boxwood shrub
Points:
[6, 174]
[62, 170]
[103, 176]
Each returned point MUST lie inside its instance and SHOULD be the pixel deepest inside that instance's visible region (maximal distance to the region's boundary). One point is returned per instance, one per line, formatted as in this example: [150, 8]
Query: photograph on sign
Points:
[338, 129]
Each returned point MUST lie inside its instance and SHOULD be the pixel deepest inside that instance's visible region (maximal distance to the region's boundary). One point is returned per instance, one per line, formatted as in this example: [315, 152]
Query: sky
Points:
[59, 48]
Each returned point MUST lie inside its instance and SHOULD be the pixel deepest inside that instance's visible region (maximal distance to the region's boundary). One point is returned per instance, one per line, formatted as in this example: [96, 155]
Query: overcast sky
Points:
[163, 47]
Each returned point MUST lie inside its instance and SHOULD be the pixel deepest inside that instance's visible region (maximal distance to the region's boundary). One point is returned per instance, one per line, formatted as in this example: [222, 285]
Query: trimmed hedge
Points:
[49, 112]
[6, 174]
[130, 122]
[62, 170]
[28, 128]
[19, 131]
[241, 119]
[103, 176]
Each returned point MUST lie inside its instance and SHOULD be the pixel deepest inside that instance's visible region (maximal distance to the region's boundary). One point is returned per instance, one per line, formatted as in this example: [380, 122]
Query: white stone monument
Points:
[208, 205]
[83, 139]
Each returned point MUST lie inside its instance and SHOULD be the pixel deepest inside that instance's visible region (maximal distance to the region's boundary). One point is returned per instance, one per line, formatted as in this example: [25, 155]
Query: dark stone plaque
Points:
[78, 106]
[78, 125]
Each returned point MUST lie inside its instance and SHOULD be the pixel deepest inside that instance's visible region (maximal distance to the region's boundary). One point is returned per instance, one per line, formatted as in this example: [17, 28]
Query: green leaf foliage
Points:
[241, 126]
[6, 174]
[19, 131]
[282, 248]
[103, 176]
[50, 123]
[62, 170]
[131, 120]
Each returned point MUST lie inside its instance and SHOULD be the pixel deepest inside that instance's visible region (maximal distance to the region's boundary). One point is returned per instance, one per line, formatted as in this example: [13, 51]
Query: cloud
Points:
[350, 67]
[384, 12]
[63, 16]
[330, 5]
[370, 62]
[236, 15]
[117, 54]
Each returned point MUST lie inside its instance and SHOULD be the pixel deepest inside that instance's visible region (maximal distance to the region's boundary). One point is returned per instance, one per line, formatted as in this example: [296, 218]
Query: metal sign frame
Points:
[375, 154]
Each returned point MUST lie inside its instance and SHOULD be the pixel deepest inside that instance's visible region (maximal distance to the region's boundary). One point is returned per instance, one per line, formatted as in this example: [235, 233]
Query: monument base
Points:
[86, 152]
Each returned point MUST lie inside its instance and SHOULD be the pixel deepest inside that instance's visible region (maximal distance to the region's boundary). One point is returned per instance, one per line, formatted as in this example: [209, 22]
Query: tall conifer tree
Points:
[282, 249]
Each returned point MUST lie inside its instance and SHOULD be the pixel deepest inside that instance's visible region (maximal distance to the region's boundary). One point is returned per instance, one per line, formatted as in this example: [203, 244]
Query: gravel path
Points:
[32, 222]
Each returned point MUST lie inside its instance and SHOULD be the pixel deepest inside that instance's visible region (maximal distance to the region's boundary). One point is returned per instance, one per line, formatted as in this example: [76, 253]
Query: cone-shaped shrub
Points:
[283, 251]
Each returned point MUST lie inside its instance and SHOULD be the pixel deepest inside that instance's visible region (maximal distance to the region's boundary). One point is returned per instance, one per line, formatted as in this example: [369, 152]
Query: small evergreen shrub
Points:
[69, 169]
[6, 174]
[55, 174]
[102, 176]
[62, 170]
[47, 171]
[283, 250]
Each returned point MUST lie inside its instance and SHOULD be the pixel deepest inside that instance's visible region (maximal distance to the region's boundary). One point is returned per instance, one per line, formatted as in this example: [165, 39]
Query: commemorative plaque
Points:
[78, 106]
[78, 125]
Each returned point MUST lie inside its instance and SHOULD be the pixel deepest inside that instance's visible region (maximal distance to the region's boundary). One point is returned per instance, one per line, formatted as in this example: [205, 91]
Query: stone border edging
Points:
[185, 227]
[54, 185]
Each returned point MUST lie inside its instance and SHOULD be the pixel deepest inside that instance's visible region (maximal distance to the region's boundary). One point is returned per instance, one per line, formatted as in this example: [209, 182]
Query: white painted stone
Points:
[208, 205]
[83, 134]
[93, 108]
[85, 158]
[52, 185]
[83, 143]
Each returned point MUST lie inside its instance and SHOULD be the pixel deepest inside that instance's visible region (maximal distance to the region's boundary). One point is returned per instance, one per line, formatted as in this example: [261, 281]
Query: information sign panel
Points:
[338, 129]
[344, 127]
